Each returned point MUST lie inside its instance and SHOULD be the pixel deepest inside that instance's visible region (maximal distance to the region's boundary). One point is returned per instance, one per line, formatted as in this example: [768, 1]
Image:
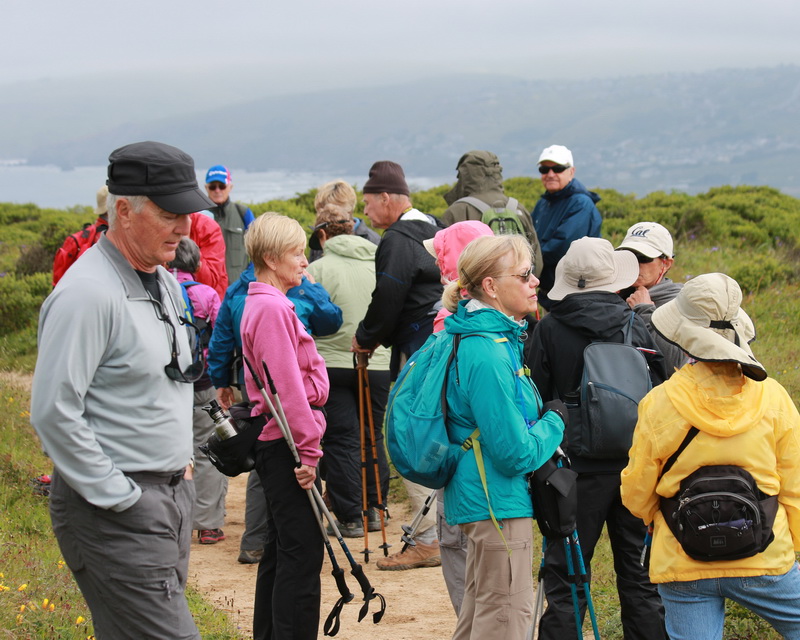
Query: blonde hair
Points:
[337, 192]
[270, 236]
[482, 258]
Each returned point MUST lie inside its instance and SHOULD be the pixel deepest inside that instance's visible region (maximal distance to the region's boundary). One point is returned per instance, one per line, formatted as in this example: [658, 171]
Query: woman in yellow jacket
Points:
[744, 419]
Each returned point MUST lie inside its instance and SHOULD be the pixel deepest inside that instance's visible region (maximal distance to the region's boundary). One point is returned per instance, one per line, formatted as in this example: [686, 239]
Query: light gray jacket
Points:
[101, 401]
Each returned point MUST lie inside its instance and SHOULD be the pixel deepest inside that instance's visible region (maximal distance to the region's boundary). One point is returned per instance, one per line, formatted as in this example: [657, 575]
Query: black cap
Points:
[163, 173]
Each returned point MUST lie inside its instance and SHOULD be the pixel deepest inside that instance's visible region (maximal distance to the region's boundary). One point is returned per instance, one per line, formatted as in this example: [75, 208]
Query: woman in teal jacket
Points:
[489, 389]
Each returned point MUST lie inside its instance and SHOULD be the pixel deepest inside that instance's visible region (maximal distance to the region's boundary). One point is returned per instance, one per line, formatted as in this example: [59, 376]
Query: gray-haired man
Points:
[112, 403]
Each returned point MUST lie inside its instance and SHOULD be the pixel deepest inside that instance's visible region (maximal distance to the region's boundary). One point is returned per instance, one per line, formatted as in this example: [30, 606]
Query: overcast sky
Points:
[320, 43]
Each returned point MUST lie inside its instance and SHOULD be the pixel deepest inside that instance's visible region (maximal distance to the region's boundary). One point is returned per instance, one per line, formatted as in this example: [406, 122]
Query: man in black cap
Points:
[408, 292]
[112, 403]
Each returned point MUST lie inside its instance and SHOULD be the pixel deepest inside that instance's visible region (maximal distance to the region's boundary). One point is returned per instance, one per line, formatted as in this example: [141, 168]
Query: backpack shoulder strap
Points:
[627, 330]
[480, 205]
[674, 457]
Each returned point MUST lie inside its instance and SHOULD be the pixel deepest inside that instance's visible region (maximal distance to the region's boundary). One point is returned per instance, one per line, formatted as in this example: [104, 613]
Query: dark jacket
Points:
[560, 218]
[481, 176]
[406, 289]
[557, 351]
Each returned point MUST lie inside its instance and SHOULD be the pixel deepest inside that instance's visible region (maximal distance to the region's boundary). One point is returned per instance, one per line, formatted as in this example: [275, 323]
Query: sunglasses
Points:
[556, 169]
[194, 371]
[525, 277]
[216, 186]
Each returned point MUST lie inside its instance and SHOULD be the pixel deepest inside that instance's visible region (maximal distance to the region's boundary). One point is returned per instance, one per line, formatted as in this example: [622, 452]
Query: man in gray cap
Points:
[112, 403]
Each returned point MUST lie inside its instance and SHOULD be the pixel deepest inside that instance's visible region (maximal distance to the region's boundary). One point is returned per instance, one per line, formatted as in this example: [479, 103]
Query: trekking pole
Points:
[363, 441]
[573, 586]
[356, 570]
[538, 603]
[331, 626]
[365, 400]
[648, 541]
[410, 531]
[586, 590]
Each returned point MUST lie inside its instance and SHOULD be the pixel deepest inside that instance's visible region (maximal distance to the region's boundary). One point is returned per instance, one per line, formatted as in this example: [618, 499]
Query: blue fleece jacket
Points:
[312, 304]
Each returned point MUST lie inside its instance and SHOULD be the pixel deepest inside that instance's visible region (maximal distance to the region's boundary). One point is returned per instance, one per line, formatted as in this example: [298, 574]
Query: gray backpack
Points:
[615, 378]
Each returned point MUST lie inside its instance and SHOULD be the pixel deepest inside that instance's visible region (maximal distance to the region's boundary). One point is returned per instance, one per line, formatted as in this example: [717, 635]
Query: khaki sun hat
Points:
[706, 321]
[591, 264]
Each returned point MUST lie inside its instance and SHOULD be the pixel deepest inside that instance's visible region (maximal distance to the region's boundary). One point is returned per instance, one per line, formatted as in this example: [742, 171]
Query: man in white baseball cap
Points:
[652, 245]
[565, 212]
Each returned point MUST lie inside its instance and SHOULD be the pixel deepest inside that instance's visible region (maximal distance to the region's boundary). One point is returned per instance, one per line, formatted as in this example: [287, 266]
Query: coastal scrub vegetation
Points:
[750, 233]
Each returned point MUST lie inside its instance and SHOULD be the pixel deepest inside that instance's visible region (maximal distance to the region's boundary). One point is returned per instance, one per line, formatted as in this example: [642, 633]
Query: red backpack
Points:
[75, 245]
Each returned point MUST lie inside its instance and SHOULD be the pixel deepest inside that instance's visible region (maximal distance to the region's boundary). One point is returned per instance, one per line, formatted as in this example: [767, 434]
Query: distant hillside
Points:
[637, 134]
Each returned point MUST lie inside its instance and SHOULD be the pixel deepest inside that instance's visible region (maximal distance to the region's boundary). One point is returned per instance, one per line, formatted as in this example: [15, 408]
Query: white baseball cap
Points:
[557, 153]
[649, 239]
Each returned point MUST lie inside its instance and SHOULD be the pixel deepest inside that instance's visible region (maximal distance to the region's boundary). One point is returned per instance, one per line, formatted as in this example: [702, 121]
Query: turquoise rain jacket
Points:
[485, 391]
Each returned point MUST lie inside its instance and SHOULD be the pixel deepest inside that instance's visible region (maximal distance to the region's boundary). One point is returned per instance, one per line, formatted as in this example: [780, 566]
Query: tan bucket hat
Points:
[591, 264]
[706, 321]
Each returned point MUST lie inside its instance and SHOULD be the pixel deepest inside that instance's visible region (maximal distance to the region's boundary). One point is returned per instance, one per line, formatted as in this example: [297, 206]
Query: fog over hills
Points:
[634, 134]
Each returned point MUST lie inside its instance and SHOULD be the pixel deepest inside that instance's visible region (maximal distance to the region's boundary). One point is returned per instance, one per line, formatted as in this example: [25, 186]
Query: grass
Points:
[38, 597]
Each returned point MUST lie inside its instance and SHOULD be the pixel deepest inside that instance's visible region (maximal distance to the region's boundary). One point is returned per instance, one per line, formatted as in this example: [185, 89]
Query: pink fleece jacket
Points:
[271, 332]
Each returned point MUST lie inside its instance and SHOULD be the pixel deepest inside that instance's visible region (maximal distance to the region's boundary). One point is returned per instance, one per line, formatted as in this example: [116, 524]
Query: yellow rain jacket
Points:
[754, 425]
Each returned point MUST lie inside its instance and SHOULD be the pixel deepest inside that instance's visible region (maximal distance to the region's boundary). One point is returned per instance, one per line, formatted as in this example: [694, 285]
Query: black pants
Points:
[341, 464]
[642, 613]
[287, 596]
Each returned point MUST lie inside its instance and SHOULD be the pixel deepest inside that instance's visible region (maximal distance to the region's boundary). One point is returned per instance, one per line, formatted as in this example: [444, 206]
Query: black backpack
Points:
[615, 378]
[719, 513]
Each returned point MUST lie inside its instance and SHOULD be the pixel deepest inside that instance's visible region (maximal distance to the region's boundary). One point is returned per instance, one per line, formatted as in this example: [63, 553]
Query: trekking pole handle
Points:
[253, 373]
[270, 382]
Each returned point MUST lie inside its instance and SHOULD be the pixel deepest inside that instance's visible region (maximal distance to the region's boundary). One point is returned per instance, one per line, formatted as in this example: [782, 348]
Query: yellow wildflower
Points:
[80, 620]
[22, 587]
[44, 603]
[21, 608]
[52, 607]
[19, 618]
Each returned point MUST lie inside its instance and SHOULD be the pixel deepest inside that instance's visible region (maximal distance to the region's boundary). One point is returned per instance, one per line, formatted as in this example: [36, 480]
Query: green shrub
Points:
[20, 300]
[760, 272]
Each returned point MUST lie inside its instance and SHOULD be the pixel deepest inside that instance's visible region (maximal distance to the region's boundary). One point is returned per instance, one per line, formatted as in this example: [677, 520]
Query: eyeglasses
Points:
[216, 186]
[525, 277]
[555, 169]
[644, 259]
[194, 371]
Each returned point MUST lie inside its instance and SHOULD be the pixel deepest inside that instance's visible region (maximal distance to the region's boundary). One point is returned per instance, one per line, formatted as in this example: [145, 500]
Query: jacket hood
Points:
[478, 172]
[351, 246]
[482, 320]
[574, 187]
[414, 229]
[716, 398]
[598, 316]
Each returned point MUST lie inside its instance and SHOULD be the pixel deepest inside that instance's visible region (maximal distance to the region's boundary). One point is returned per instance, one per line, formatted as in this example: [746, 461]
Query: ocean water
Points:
[51, 187]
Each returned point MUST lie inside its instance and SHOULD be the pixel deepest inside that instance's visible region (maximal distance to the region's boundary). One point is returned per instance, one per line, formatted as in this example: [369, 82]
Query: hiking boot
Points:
[374, 519]
[348, 529]
[423, 555]
[250, 557]
[210, 536]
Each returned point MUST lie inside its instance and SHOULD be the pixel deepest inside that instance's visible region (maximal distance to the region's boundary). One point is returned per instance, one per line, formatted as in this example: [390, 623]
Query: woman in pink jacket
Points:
[287, 596]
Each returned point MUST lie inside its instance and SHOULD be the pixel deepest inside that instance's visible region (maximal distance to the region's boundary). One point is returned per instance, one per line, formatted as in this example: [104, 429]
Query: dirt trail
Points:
[417, 604]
